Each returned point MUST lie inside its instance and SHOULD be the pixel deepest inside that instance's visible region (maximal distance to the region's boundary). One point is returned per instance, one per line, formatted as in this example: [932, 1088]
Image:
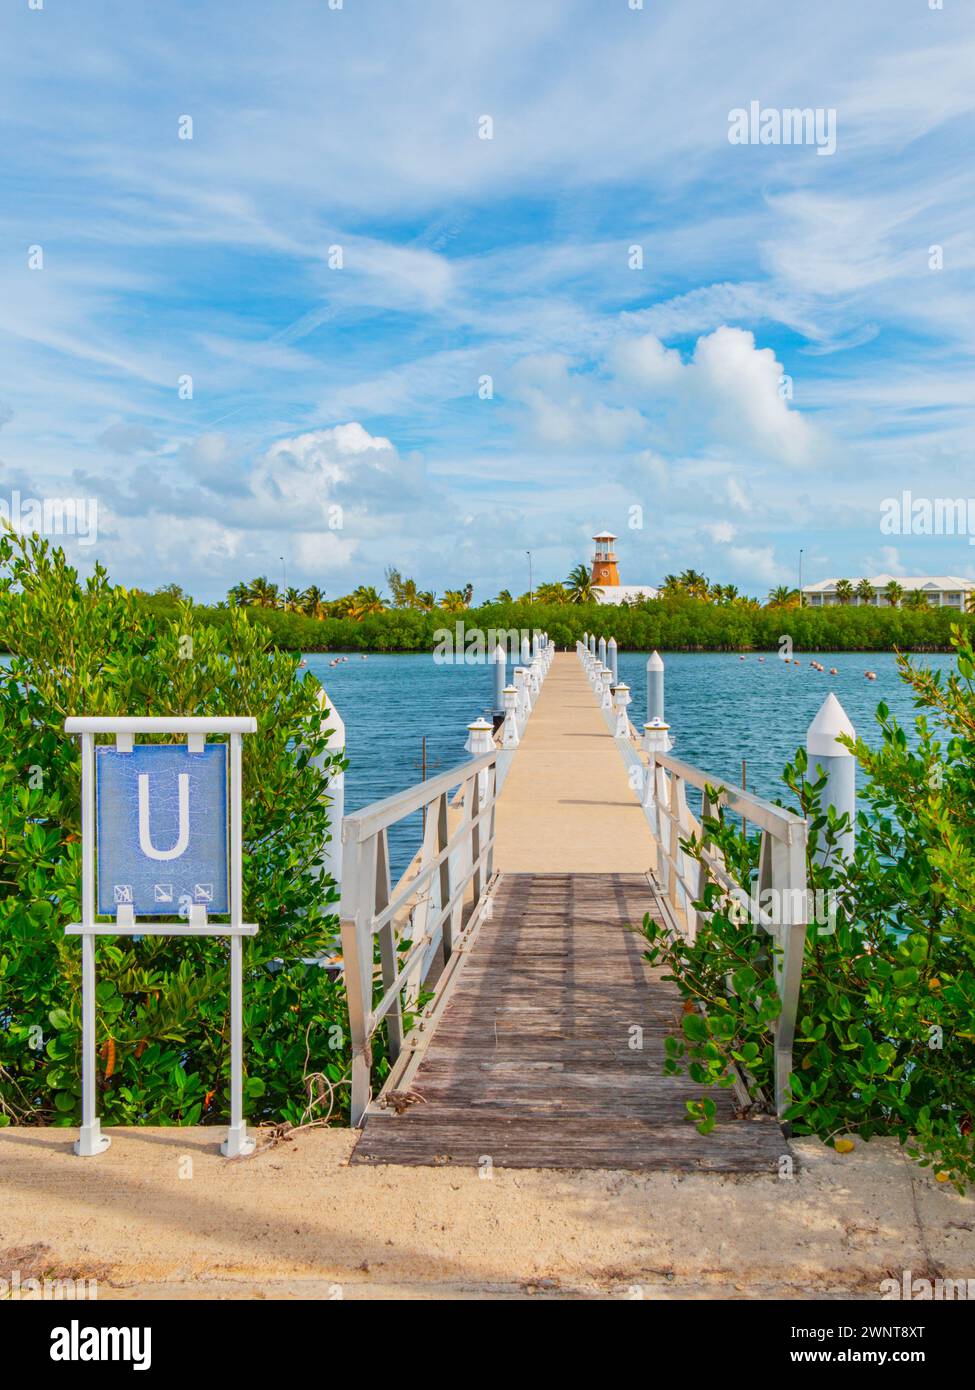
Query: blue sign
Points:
[162, 829]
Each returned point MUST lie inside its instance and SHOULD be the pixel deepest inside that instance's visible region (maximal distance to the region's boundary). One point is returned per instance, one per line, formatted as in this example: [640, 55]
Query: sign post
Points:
[161, 838]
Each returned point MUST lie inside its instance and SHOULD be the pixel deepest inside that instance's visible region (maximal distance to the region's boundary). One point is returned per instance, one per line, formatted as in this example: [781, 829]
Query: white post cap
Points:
[821, 735]
[655, 662]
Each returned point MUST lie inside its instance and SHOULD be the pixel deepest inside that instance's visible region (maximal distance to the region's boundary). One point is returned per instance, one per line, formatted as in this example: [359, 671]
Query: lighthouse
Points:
[606, 575]
[604, 567]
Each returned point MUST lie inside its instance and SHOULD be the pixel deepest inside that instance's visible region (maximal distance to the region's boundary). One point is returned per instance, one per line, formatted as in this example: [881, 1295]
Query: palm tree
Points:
[580, 586]
[261, 593]
[694, 583]
[844, 591]
[970, 602]
[864, 591]
[292, 601]
[893, 593]
[504, 596]
[365, 600]
[426, 600]
[238, 594]
[917, 598]
[313, 602]
[468, 594]
[672, 587]
[453, 600]
[551, 593]
[782, 597]
[404, 591]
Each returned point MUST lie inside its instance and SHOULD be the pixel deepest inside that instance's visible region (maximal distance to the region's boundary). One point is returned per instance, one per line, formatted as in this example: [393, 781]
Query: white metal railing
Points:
[777, 901]
[438, 902]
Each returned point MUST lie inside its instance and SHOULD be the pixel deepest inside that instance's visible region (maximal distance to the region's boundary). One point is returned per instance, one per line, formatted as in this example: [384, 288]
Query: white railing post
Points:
[356, 913]
[613, 653]
[509, 736]
[621, 699]
[601, 651]
[524, 697]
[839, 765]
[331, 860]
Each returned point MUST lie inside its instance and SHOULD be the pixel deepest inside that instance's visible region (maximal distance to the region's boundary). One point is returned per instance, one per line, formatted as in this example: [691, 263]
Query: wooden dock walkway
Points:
[549, 1049]
[532, 1064]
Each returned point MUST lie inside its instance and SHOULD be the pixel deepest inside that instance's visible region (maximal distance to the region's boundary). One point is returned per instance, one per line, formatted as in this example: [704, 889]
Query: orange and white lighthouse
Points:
[604, 569]
[606, 576]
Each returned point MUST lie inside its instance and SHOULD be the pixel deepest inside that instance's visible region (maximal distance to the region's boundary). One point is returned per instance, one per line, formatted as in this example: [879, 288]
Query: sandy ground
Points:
[161, 1214]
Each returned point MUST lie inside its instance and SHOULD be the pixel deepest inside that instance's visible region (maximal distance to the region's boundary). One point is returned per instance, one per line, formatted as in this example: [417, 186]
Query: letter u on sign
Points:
[162, 829]
[183, 838]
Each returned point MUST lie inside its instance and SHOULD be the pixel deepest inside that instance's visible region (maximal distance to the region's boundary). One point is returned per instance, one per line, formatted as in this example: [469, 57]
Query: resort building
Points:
[941, 591]
[606, 575]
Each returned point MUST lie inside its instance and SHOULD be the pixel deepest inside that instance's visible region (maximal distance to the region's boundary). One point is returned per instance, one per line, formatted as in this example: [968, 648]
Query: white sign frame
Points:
[196, 729]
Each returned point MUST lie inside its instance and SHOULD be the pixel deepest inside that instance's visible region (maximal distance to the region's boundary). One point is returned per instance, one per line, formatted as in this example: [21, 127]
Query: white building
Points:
[941, 590]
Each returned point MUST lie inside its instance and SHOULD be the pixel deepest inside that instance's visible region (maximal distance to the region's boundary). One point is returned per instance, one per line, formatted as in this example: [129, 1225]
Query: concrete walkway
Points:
[566, 806]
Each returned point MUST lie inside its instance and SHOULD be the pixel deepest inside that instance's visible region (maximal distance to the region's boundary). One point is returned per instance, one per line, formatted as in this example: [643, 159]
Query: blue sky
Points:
[336, 417]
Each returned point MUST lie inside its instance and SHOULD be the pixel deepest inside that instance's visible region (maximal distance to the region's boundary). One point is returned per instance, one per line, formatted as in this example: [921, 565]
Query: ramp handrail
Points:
[453, 870]
[777, 901]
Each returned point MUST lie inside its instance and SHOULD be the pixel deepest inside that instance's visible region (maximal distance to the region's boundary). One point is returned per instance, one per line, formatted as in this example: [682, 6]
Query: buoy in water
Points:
[833, 671]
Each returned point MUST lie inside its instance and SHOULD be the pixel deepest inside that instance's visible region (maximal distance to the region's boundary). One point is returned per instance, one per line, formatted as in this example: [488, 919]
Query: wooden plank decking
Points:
[531, 1062]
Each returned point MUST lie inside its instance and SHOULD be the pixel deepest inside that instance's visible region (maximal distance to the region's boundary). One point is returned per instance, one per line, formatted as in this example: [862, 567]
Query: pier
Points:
[542, 1044]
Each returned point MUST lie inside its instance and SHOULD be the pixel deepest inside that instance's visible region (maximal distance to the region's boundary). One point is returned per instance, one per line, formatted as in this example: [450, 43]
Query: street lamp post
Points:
[800, 577]
[530, 590]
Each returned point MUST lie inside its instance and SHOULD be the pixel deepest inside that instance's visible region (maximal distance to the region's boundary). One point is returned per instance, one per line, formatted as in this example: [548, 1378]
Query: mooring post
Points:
[509, 737]
[621, 698]
[601, 650]
[331, 860]
[524, 697]
[592, 644]
[613, 653]
[607, 697]
[526, 650]
[655, 687]
[839, 765]
[500, 660]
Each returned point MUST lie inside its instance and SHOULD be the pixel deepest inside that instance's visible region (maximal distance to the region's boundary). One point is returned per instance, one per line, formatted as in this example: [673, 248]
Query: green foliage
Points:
[669, 624]
[162, 1003]
[885, 1042]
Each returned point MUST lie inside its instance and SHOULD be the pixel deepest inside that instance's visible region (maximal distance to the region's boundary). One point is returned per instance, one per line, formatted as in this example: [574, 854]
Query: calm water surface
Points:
[720, 709]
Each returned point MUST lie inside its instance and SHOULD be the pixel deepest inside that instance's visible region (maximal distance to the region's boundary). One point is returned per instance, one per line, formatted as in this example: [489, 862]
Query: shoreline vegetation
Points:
[691, 614]
[666, 624]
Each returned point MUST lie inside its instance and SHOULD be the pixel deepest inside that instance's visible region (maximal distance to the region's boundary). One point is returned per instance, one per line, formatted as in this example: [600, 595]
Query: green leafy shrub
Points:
[162, 1003]
[885, 1039]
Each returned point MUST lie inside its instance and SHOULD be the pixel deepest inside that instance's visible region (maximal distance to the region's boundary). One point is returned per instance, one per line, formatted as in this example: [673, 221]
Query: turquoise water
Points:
[720, 709]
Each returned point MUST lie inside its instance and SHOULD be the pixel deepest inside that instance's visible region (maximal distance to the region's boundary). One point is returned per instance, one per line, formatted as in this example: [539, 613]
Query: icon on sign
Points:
[163, 892]
[122, 893]
[203, 892]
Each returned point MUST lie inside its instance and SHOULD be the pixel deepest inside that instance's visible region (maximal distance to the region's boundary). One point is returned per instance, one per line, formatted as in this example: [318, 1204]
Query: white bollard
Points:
[331, 860]
[601, 651]
[621, 698]
[524, 696]
[655, 687]
[839, 765]
[500, 660]
[480, 740]
[592, 644]
[613, 652]
[509, 736]
[536, 645]
[526, 651]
